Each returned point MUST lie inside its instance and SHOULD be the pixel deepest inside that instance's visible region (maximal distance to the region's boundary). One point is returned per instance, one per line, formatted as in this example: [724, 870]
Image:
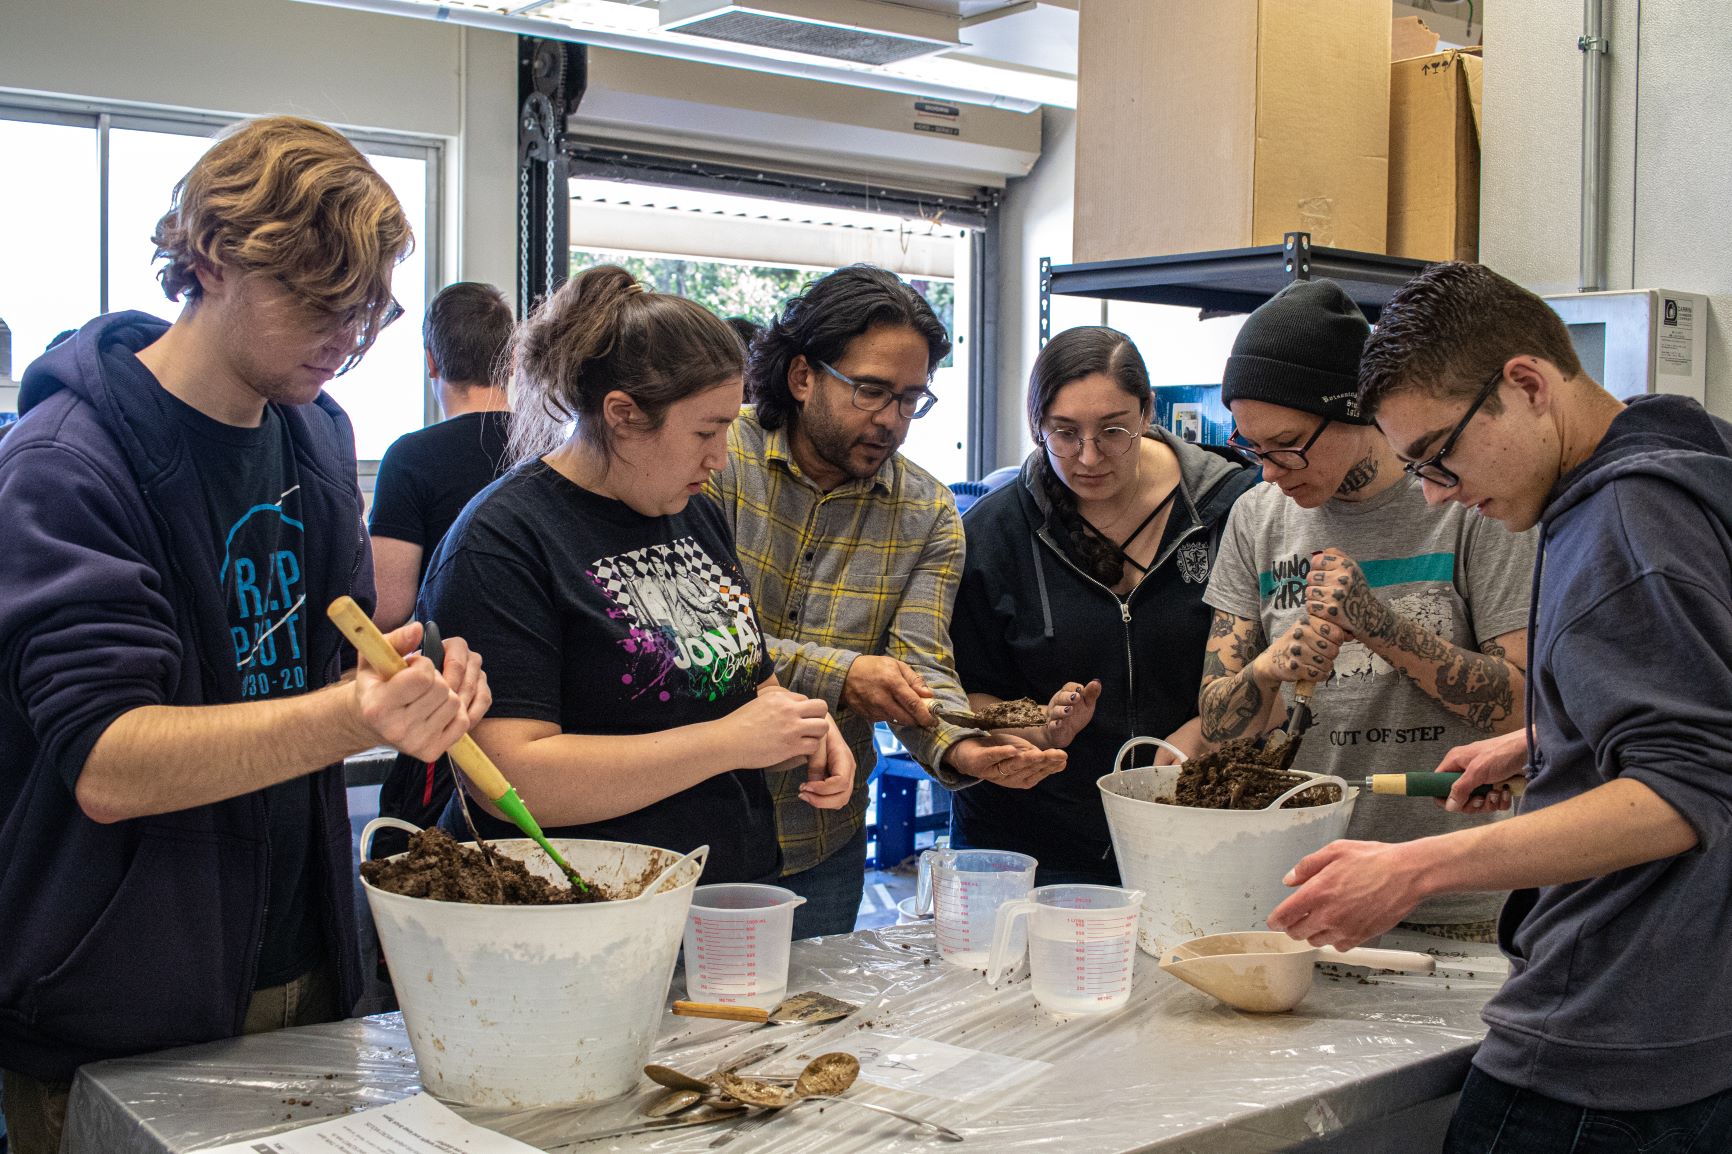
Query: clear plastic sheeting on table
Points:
[1172, 1071]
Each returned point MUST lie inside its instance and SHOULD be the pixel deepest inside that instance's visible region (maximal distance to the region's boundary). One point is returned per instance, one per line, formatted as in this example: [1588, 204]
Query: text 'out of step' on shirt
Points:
[603, 620]
[1447, 569]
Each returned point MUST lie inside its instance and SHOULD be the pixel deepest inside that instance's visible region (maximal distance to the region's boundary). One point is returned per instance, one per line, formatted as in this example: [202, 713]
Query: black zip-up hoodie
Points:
[1620, 987]
[1028, 619]
[140, 934]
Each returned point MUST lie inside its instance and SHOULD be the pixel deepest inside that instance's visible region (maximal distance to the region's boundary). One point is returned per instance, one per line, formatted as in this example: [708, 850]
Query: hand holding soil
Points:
[1070, 711]
[1005, 759]
[884, 689]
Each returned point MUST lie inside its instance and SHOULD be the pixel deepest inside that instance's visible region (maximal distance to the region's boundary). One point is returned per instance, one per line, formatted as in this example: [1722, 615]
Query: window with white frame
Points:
[743, 256]
[82, 193]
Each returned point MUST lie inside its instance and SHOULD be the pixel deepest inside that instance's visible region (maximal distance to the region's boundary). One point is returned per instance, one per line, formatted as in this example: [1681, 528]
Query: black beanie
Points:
[1301, 350]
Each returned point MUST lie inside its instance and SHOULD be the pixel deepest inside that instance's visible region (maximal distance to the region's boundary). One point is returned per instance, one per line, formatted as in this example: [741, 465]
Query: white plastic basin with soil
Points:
[1206, 871]
[520, 1006]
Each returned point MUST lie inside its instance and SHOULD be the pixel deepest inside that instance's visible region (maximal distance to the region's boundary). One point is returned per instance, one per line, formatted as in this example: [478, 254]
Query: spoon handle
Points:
[943, 1132]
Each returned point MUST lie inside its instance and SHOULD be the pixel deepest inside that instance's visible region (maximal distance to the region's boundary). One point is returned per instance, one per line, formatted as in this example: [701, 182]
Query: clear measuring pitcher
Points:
[1082, 945]
[737, 941]
[963, 888]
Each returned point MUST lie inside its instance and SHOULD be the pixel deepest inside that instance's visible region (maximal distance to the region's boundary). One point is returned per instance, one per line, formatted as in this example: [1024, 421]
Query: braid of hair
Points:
[1087, 546]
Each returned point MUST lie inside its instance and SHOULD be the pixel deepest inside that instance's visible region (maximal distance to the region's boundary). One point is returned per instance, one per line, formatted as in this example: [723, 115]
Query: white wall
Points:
[1034, 221]
[1670, 142]
[248, 57]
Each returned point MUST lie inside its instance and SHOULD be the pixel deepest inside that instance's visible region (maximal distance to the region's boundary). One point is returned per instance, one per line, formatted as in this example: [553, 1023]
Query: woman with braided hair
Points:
[1083, 588]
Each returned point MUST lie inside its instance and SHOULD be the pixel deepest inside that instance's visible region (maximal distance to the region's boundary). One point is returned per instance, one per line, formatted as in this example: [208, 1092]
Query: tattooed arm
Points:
[1484, 688]
[1242, 673]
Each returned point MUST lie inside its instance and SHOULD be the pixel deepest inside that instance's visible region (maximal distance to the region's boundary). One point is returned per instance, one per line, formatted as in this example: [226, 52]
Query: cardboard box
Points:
[1434, 156]
[1409, 37]
[1204, 126]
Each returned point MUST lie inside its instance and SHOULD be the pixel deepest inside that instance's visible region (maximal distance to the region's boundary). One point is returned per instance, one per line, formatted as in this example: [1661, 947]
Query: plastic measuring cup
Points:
[1082, 945]
[963, 888]
[737, 938]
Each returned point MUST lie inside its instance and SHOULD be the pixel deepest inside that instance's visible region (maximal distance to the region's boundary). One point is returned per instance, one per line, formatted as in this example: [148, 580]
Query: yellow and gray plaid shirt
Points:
[871, 567]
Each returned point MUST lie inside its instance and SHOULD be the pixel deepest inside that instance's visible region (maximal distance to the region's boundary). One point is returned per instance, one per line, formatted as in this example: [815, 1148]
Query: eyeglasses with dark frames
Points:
[1291, 460]
[871, 397]
[1113, 441]
[1432, 468]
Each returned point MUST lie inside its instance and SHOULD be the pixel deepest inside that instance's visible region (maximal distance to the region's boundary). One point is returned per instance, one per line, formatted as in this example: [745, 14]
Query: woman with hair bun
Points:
[1083, 588]
[634, 698]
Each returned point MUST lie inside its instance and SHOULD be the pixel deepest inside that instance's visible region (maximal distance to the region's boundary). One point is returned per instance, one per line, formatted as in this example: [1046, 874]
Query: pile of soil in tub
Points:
[1235, 776]
[437, 867]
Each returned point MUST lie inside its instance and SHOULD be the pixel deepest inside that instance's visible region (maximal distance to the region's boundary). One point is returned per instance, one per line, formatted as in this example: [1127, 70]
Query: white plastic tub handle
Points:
[378, 824]
[1136, 742]
[1315, 779]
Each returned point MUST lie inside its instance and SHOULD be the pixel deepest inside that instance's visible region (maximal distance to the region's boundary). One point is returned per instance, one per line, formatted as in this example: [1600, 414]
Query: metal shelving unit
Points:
[1231, 280]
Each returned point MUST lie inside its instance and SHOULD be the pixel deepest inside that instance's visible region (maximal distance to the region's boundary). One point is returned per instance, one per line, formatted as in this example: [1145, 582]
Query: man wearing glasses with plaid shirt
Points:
[854, 554]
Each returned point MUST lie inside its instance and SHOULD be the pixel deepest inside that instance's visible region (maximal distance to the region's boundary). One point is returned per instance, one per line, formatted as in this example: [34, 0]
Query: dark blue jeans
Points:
[832, 890]
[1494, 1117]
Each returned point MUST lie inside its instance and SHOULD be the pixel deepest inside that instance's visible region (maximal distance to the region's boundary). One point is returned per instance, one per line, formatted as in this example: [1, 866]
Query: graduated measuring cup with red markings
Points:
[1082, 945]
[963, 889]
[737, 939]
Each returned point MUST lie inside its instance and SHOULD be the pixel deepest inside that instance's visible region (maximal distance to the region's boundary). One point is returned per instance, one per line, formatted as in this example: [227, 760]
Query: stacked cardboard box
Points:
[1434, 156]
[1227, 123]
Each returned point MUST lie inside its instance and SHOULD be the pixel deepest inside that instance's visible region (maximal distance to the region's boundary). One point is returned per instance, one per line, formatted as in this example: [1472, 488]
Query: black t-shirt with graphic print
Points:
[604, 621]
[252, 494]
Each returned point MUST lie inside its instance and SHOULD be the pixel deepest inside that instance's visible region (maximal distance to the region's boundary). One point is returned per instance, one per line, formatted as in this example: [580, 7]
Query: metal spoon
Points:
[824, 1078]
[685, 1091]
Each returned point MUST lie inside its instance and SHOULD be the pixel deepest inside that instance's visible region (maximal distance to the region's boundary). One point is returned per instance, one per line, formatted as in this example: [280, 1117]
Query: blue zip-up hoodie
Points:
[141, 934]
[1620, 987]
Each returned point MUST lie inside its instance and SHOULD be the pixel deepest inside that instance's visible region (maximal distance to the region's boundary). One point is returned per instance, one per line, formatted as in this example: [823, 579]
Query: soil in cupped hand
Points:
[438, 868]
[1236, 776]
[1023, 713]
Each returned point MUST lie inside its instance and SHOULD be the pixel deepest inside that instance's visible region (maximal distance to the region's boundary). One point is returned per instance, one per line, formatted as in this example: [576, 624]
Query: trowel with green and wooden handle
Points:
[354, 623]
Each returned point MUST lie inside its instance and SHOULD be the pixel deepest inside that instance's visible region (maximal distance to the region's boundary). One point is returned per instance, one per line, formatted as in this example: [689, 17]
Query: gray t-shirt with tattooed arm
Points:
[1448, 570]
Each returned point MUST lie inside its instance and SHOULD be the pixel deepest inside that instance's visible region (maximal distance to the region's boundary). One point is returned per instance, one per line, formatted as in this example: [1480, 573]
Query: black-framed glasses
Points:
[1432, 468]
[1112, 441]
[872, 398]
[393, 312]
[1290, 459]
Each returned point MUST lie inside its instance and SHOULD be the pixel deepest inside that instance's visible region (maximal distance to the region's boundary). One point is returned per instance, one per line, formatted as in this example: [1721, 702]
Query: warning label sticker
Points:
[1677, 337]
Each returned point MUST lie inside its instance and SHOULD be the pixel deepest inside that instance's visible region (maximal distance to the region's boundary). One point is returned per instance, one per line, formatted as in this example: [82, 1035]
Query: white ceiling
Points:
[1017, 54]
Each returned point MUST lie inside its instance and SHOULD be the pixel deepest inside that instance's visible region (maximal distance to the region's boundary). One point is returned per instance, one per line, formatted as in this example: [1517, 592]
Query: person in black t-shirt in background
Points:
[633, 695]
[428, 476]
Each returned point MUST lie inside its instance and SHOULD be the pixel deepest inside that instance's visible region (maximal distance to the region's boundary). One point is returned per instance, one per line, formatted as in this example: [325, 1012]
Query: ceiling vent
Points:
[857, 31]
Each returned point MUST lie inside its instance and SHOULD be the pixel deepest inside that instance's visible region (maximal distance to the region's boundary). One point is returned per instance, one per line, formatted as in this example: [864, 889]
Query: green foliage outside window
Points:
[754, 291]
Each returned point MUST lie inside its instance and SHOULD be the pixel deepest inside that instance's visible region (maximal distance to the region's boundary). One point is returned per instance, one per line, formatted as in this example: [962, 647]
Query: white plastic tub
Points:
[1207, 871]
[520, 1006]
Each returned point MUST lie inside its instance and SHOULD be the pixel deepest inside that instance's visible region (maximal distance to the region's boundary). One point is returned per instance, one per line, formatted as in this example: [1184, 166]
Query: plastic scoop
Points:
[475, 764]
[1267, 972]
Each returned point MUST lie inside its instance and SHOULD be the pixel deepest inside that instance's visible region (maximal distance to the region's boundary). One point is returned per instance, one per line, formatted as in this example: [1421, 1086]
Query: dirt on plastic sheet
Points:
[1236, 776]
[437, 867]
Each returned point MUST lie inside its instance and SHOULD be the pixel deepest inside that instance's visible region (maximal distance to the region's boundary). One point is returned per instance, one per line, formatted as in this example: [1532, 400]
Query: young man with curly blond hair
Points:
[174, 706]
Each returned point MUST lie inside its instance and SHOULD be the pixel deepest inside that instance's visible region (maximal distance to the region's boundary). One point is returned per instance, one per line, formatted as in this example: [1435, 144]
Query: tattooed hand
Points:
[1337, 593]
[1305, 652]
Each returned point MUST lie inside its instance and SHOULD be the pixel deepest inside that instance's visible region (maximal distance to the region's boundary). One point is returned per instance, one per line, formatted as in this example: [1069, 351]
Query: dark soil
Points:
[437, 867]
[1023, 713]
[1237, 777]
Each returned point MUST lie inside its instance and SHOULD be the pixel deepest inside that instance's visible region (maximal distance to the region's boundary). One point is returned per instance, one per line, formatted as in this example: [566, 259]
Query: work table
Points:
[1366, 1062]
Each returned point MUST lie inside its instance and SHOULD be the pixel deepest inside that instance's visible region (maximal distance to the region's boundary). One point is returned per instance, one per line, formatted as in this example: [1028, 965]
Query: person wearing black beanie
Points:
[1411, 619]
